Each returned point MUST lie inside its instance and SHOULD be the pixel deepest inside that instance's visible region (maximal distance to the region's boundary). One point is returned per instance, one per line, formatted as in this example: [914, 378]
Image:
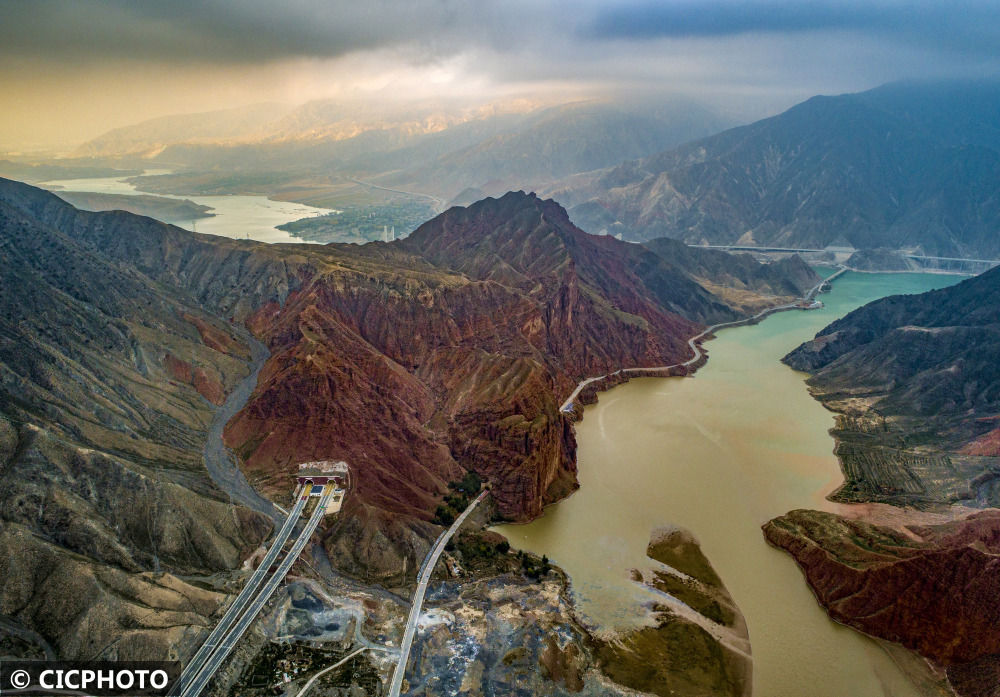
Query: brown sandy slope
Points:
[104, 500]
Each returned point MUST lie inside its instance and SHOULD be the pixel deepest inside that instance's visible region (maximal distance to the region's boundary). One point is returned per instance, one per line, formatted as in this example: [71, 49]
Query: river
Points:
[720, 454]
[236, 216]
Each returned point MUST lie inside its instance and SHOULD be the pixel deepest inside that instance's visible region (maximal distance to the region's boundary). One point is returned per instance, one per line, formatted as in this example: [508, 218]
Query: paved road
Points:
[247, 594]
[423, 579]
[439, 203]
[29, 636]
[345, 659]
[235, 631]
[750, 248]
[567, 406]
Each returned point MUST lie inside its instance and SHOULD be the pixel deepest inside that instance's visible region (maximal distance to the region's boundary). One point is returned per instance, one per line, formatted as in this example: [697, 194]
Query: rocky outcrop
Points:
[517, 637]
[458, 343]
[414, 361]
[207, 384]
[931, 588]
[449, 351]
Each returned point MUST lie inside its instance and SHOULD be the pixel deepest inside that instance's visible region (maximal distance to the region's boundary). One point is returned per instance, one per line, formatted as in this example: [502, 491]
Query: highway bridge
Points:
[844, 250]
[242, 612]
[750, 248]
[423, 579]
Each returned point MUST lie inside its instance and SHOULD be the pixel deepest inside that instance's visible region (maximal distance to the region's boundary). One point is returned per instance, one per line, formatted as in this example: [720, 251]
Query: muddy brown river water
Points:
[720, 454]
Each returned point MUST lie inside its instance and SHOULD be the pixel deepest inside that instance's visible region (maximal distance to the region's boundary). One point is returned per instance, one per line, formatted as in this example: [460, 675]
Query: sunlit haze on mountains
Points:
[72, 70]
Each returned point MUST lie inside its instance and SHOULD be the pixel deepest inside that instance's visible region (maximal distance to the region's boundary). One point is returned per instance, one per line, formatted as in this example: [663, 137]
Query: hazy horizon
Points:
[71, 71]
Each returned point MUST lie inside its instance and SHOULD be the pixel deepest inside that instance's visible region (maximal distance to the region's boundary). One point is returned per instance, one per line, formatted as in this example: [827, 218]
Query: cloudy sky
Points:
[72, 69]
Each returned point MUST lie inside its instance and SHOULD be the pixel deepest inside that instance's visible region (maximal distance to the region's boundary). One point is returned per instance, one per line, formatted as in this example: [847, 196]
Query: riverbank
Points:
[587, 389]
[913, 559]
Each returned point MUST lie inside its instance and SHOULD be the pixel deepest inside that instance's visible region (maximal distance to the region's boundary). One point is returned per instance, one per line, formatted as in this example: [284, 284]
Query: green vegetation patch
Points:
[699, 601]
[483, 553]
[679, 550]
[677, 658]
[533, 567]
[462, 492]
[362, 224]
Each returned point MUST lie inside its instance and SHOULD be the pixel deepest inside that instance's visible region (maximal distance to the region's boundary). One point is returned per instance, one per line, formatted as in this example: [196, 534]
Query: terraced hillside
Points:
[916, 388]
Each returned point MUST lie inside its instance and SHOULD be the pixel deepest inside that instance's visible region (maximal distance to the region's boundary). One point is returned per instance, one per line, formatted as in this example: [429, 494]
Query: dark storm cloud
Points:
[241, 31]
[687, 19]
[963, 25]
[793, 47]
[253, 31]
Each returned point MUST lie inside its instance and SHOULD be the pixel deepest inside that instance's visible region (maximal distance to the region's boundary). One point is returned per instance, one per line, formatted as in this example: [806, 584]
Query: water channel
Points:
[721, 454]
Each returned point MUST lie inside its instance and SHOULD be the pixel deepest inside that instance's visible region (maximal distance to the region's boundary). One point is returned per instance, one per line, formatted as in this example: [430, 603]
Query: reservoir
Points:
[721, 454]
[237, 216]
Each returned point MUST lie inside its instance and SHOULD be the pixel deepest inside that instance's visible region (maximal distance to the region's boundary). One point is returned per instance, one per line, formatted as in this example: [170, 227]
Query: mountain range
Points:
[911, 166]
[906, 166]
[430, 149]
[415, 361]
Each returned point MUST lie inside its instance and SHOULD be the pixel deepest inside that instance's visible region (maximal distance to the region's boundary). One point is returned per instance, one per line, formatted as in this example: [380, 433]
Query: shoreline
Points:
[937, 272]
[573, 406]
[619, 377]
[569, 407]
[911, 666]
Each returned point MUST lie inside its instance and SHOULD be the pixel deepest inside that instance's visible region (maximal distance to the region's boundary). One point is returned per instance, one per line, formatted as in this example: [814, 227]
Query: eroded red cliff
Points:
[933, 590]
[452, 350]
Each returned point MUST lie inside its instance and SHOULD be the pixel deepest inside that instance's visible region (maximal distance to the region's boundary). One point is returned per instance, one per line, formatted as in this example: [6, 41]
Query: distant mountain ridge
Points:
[914, 166]
[149, 137]
[435, 151]
[559, 141]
